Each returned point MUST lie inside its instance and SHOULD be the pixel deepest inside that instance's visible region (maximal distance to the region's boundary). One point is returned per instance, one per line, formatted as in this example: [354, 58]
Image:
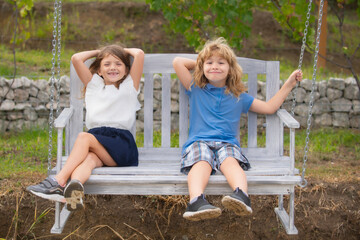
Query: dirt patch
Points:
[323, 211]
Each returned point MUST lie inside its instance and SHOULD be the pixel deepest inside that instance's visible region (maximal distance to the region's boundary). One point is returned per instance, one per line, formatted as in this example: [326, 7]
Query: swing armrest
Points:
[287, 119]
[63, 118]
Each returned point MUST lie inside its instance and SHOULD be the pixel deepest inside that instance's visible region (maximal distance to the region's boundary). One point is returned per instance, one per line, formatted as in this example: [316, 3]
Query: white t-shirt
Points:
[107, 106]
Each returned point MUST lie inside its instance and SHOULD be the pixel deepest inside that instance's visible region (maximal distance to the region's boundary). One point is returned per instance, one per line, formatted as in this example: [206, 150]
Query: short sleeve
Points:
[246, 100]
[188, 91]
[129, 83]
[96, 82]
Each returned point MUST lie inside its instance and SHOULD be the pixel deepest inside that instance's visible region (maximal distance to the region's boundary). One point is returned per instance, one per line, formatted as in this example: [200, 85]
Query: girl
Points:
[112, 86]
[217, 98]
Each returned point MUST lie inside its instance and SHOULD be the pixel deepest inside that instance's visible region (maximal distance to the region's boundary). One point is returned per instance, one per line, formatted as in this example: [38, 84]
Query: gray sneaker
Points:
[201, 209]
[238, 202]
[48, 189]
[74, 193]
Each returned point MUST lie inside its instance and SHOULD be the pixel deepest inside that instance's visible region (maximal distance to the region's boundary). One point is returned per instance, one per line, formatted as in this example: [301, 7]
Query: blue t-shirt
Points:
[215, 115]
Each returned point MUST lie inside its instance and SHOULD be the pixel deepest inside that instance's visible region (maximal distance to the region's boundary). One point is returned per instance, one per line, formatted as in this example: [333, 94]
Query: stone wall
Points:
[26, 104]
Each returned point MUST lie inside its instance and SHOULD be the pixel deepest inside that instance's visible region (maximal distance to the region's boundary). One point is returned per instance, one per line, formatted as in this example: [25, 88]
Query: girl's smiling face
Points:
[112, 69]
[216, 70]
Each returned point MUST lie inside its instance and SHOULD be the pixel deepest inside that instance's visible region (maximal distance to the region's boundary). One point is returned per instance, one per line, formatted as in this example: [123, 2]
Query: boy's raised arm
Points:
[271, 106]
[182, 67]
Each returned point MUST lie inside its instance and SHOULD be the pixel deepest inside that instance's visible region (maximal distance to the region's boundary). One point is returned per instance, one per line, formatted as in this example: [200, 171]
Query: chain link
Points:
[55, 43]
[301, 54]
[311, 103]
[58, 60]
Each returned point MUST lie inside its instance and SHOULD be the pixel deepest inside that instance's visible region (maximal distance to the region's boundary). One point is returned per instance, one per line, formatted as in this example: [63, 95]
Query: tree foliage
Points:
[291, 15]
[22, 12]
[201, 20]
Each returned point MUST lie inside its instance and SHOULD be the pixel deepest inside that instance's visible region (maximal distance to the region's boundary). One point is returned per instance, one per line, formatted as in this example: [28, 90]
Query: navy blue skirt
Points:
[119, 143]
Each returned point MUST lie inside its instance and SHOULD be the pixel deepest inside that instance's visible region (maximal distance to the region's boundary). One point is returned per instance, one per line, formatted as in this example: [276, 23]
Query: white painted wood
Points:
[184, 115]
[252, 117]
[77, 103]
[181, 189]
[158, 172]
[63, 217]
[63, 118]
[166, 111]
[286, 219]
[272, 121]
[287, 119]
[148, 110]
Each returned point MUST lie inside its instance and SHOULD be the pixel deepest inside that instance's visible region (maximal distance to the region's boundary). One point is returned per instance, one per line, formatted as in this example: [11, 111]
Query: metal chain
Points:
[58, 60]
[52, 82]
[301, 54]
[311, 103]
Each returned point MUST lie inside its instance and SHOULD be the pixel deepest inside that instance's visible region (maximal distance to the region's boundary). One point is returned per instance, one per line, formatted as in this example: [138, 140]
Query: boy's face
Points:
[216, 70]
[112, 69]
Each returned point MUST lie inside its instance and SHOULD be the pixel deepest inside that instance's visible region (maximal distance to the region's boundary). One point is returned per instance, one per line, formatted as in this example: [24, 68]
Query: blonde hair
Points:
[220, 47]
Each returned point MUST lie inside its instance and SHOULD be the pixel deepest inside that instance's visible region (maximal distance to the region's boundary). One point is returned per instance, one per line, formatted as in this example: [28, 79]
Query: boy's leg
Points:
[198, 163]
[239, 202]
[234, 174]
[199, 208]
[198, 178]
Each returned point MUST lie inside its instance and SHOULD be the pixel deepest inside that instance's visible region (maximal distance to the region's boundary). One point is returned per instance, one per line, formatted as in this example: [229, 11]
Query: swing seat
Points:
[158, 173]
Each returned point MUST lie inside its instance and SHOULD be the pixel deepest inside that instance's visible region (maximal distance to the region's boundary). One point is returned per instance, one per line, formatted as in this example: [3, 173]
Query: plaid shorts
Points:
[212, 152]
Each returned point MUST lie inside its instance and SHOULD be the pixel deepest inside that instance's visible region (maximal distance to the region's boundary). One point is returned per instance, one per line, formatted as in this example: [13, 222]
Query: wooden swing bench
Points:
[158, 172]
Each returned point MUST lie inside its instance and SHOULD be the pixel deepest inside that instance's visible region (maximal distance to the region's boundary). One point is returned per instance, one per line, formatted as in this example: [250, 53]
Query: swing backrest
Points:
[162, 64]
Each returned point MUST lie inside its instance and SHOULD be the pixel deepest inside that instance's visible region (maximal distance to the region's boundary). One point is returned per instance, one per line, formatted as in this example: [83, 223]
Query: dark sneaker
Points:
[238, 202]
[48, 189]
[201, 209]
[74, 193]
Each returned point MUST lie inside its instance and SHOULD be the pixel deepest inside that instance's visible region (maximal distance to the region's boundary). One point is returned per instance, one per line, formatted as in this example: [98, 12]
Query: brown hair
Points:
[118, 52]
[221, 48]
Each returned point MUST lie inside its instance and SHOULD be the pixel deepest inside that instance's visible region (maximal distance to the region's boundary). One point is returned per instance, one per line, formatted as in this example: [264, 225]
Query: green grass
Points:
[174, 139]
[27, 151]
[286, 68]
[322, 141]
[31, 63]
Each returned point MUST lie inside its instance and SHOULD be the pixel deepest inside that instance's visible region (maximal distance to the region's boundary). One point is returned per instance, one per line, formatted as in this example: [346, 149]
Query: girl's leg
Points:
[74, 191]
[83, 171]
[84, 144]
[198, 178]
[234, 174]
